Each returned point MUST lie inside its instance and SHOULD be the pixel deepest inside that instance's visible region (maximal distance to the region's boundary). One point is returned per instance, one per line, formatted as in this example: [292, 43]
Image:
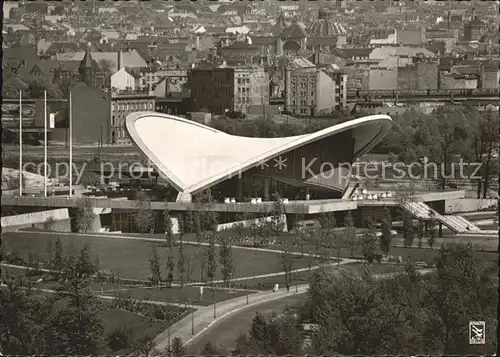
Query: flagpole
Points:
[20, 142]
[70, 146]
[45, 144]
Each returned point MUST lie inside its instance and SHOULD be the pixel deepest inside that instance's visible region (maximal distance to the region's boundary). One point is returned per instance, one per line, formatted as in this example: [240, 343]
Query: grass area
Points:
[424, 254]
[176, 294]
[114, 318]
[304, 276]
[130, 258]
[139, 325]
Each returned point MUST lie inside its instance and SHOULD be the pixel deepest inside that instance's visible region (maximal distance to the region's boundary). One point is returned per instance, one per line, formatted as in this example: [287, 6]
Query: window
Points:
[312, 93]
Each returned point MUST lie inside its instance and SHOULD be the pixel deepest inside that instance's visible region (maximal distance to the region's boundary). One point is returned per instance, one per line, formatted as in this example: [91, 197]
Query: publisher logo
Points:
[477, 333]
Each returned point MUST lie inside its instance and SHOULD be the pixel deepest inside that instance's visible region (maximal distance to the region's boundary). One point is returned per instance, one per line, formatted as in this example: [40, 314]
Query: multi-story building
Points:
[121, 106]
[212, 89]
[172, 81]
[312, 91]
[404, 73]
[226, 88]
[251, 88]
[474, 30]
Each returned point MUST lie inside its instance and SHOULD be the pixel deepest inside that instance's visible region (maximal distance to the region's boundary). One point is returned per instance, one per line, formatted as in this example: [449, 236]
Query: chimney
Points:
[481, 76]
[316, 55]
[119, 64]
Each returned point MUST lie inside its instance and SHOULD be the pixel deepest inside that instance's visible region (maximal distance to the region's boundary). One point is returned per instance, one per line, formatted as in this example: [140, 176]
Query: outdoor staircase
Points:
[457, 224]
[461, 223]
[349, 191]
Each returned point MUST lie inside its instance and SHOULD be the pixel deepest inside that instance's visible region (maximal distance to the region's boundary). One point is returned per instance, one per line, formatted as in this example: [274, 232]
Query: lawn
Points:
[130, 258]
[176, 294]
[424, 254]
[304, 277]
[139, 325]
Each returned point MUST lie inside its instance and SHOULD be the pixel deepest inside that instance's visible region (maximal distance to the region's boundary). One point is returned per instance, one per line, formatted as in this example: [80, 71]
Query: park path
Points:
[202, 320]
[199, 283]
[106, 297]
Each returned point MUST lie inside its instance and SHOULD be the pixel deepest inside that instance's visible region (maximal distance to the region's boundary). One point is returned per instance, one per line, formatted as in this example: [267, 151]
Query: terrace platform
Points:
[292, 207]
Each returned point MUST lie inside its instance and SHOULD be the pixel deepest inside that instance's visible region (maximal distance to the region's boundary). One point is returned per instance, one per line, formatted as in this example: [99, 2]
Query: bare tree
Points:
[145, 346]
[350, 232]
[182, 264]
[287, 265]
[226, 261]
[170, 270]
[212, 259]
[155, 268]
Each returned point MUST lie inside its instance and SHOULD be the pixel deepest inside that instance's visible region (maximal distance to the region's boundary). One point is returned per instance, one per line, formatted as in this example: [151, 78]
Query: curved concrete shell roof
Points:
[193, 157]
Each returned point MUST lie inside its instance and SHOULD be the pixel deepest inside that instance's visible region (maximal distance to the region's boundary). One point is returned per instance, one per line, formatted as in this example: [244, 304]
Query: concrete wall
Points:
[427, 75]
[468, 205]
[325, 87]
[383, 79]
[407, 78]
[123, 80]
[91, 111]
[249, 222]
[358, 78]
[27, 220]
[491, 79]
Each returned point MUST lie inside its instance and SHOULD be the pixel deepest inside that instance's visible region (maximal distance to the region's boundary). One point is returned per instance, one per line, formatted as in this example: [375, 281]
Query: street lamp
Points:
[215, 302]
[192, 322]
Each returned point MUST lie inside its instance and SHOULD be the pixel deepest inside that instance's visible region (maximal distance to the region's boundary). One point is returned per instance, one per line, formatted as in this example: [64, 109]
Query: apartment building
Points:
[122, 104]
[251, 88]
[225, 88]
[313, 91]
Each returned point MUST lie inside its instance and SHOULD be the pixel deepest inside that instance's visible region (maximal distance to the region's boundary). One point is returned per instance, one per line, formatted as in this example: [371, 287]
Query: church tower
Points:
[88, 69]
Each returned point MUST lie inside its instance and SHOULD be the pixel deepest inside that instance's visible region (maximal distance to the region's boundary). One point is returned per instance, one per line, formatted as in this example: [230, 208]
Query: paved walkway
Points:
[203, 318]
[106, 297]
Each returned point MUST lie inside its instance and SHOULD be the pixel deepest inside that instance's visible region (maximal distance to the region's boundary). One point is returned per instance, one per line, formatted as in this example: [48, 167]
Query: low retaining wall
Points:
[249, 222]
[468, 205]
[61, 220]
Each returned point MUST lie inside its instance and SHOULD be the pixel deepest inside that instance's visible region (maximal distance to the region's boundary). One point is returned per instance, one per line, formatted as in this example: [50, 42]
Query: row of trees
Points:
[182, 265]
[407, 314]
[448, 132]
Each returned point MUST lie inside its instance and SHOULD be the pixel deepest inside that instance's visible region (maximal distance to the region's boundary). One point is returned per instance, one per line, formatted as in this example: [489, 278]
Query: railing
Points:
[420, 92]
[457, 224]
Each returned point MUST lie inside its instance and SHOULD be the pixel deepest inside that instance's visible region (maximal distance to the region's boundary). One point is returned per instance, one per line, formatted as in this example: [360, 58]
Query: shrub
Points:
[120, 338]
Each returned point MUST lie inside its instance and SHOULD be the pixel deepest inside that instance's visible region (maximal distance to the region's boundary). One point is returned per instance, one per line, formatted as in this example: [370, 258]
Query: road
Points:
[225, 332]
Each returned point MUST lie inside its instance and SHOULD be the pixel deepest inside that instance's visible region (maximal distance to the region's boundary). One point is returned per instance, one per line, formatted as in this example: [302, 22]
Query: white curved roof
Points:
[193, 157]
